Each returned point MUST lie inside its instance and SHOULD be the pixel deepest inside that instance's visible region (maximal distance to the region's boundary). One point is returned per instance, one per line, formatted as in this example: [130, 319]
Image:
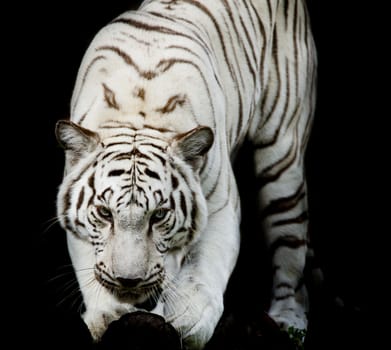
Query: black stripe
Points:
[120, 198]
[285, 296]
[158, 196]
[97, 220]
[116, 172]
[250, 13]
[162, 130]
[172, 201]
[123, 134]
[107, 155]
[307, 132]
[193, 212]
[111, 144]
[70, 229]
[91, 184]
[128, 155]
[162, 160]
[205, 10]
[284, 285]
[294, 113]
[79, 223]
[183, 204]
[133, 37]
[145, 26]
[67, 202]
[157, 14]
[165, 64]
[295, 48]
[306, 28]
[269, 8]
[174, 182]
[80, 199]
[221, 207]
[235, 30]
[276, 66]
[172, 103]
[128, 60]
[213, 189]
[291, 242]
[160, 148]
[275, 170]
[182, 176]
[109, 97]
[287, 92]
[161, 248]
[265, 95]
[140, 163]
[152, 173]
[92, 223]
[286, 12]
[84, 115]
[254, 55]
[183, 48]
[102, 196]
[117, 125]
[296, 220]
[121, 156]
[196, 29]
[239, 125]
[284, 204]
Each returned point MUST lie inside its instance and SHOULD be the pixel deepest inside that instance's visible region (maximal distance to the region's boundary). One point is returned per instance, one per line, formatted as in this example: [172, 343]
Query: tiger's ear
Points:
[194, 144]
[76, 140]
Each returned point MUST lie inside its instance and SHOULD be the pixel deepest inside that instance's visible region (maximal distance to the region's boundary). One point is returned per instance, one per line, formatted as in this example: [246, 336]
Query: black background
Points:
[346, 171]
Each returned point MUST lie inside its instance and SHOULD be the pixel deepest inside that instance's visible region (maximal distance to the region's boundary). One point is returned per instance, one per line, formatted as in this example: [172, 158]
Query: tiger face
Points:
[134, 198]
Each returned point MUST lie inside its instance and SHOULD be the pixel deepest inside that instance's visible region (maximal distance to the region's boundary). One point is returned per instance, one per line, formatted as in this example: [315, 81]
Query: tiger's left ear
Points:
[193, 145]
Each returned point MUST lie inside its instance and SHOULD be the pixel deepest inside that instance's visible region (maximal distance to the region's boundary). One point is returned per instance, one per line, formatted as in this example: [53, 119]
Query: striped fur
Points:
[163, 100]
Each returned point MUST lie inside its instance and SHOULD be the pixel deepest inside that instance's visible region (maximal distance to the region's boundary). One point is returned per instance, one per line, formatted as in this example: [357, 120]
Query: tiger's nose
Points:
[129, 282]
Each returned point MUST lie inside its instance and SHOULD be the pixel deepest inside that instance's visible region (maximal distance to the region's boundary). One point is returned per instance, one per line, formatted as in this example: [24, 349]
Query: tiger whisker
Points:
[50, 223]
[60, 276]
[71, 289]
[172, 296]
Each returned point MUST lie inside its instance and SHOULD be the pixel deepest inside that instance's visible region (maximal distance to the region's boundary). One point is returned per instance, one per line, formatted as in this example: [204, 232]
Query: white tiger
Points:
[164, 97]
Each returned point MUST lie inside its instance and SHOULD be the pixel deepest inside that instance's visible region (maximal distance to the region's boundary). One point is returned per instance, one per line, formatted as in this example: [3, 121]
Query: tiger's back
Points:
[242, 69]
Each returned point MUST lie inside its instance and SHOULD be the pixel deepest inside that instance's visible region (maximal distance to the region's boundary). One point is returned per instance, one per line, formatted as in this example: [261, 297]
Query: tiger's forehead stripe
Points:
[130, 159]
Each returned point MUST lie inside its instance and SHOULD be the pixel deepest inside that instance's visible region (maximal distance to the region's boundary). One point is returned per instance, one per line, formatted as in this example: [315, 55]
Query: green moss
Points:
[297, 336]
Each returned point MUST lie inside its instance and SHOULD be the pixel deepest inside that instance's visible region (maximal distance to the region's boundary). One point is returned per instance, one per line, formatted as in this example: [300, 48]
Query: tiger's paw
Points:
[288, 319]
[140, 331]
[195, 315]
[97, 320]
[294, 324]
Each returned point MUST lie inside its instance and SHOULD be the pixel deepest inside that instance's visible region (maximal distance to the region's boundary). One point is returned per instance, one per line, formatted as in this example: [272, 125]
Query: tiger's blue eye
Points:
[104, 212]
[159, 214]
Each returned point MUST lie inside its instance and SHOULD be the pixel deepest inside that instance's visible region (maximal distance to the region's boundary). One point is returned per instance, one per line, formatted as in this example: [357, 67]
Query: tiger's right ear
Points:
[76, 140]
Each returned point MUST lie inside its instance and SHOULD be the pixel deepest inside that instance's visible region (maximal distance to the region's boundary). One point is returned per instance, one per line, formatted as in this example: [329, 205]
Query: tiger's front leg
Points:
[194, 300]
[283, 202]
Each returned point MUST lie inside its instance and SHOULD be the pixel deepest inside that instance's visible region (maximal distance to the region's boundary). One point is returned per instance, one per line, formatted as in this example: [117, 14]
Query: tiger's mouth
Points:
[143, 295]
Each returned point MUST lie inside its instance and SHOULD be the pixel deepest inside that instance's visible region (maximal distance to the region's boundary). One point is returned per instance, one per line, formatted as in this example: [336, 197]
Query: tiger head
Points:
[130, 200]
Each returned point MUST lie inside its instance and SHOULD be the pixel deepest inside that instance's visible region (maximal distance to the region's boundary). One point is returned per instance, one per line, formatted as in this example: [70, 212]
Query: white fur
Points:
[210, 91]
